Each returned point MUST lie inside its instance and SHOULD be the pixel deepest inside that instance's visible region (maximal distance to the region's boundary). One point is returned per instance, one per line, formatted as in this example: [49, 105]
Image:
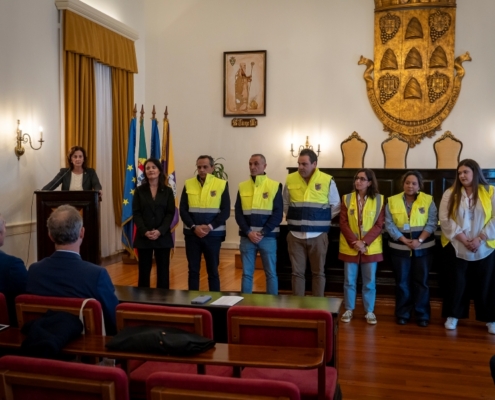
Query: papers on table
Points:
[227, 301]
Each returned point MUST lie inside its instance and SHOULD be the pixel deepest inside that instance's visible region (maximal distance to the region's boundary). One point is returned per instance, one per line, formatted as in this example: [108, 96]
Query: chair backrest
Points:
[395, 150]
[353, 151]
[265, 326]
[35, 378]
[30, 306]
[195, 320]
[174, 386]
[4, 311]
[448, 151]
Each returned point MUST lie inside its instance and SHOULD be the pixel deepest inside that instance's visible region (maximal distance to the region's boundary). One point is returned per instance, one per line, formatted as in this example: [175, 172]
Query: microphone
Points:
[57, 182]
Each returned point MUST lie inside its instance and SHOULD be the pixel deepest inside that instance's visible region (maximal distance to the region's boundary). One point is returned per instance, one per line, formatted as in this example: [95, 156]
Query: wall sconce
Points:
[21, 138]
[306, 146]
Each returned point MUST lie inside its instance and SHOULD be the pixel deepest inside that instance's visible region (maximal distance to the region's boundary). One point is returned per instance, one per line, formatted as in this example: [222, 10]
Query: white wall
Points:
[314, 85]
[30, 91]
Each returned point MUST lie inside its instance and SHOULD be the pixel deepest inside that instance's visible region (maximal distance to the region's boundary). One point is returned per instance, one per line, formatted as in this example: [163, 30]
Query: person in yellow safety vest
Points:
[258, 212]
[311, 200]
[410, 220]
[361, 221]
[204, 209]
[467, 219]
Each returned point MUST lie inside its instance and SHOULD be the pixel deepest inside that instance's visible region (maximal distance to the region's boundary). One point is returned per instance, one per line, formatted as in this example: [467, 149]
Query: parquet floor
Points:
[385, 361]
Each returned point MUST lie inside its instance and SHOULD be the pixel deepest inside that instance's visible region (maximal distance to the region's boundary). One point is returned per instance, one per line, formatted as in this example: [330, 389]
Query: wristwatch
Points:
[420, 240]
[262, 232]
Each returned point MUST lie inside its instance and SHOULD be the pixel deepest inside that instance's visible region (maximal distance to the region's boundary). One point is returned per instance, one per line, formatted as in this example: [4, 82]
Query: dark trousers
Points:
[209, 246]
[162, 258]
[469, 279]
[411, 286]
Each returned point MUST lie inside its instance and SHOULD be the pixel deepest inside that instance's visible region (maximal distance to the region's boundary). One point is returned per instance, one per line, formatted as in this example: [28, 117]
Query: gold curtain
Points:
[122, 101]
[85, 41]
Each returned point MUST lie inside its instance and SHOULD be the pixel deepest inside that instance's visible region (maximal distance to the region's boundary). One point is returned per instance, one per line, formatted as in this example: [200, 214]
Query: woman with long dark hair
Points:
[361, 222]
[467, 219]
[153, 210]
[78, 176]
[410, 220]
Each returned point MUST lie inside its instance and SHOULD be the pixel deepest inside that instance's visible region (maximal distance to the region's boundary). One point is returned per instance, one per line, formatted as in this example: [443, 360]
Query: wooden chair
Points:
[34, 378]
[30, 307]
[195, 320]
[395, 150]
[265, 326]
[170, 386]
[448, 151]
[353, 151]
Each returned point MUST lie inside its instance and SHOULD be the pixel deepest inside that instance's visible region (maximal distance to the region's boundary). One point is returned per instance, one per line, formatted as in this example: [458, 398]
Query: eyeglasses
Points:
[360, 178]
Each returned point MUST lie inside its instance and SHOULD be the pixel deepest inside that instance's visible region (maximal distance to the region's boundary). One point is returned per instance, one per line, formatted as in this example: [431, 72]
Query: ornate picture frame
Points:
[244, 83]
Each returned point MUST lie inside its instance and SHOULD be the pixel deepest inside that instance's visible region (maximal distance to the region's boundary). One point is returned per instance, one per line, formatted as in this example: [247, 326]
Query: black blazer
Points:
[152, 214]
[90, 180]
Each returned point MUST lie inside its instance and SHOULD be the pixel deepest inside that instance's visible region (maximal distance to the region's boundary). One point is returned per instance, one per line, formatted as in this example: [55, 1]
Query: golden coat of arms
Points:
[415, 80]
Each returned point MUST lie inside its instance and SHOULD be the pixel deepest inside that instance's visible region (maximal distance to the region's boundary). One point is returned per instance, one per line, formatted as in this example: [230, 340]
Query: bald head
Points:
[65, 225]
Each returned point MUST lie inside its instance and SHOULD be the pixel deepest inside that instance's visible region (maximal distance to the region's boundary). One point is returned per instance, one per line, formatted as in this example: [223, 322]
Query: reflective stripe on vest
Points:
[485, 198]
[417, 220]
[257, 201]
[371, 212]
[309, 210]
[205, 201]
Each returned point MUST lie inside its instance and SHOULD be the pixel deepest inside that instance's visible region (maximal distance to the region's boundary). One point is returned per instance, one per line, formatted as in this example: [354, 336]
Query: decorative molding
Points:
[21, 228]
[98, 17]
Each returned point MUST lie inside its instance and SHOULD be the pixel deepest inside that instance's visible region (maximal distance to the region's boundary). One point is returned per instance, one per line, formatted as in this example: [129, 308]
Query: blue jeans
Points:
[268, 252]
[368, 272]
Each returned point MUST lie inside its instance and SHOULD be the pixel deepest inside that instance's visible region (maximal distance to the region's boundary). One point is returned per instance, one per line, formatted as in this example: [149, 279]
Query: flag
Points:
[142, 155]
[155, 140]
[168, 165]
[129, 188]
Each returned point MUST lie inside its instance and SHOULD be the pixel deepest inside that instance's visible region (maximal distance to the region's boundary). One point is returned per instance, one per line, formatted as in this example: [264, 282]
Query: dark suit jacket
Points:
[90, 180]
[13, 278]
[65, 274]
[149, 214]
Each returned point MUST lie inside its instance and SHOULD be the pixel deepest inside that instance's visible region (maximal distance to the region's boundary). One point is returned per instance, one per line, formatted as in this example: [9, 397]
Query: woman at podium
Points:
[77, 176]
[153, 209]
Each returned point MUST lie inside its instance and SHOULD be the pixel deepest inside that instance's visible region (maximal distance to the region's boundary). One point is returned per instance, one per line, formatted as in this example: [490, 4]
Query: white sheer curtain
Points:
[110, 233]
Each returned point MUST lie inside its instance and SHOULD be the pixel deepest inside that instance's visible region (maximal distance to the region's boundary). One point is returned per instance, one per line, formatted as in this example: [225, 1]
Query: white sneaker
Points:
[491, 327]
[347, 316]
[451, 323]
[370, 318]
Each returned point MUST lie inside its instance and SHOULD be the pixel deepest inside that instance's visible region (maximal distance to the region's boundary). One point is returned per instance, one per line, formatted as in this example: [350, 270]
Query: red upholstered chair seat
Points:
[164, 385]
[264, 326]
[40, 379]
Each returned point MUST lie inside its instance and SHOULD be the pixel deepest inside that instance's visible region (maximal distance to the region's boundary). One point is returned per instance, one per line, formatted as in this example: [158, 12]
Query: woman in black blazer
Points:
[153, 210]
[77, 176]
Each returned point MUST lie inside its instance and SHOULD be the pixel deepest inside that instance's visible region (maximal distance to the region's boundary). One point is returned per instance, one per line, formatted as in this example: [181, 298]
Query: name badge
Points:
[407, 227]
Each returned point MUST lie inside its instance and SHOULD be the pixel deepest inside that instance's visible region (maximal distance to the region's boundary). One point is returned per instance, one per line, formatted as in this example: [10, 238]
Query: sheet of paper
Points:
[227, 301]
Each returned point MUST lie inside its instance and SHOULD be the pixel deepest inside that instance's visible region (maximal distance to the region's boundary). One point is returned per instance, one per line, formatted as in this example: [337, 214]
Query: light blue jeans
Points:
[268, 252]
[368, 272]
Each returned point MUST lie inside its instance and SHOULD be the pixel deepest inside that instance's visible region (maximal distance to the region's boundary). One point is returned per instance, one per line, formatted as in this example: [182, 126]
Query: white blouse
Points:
[76, 181]
[471, 221]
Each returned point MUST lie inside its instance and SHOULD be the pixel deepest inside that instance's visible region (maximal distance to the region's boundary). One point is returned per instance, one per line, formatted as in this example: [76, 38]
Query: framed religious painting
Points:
[244, 83]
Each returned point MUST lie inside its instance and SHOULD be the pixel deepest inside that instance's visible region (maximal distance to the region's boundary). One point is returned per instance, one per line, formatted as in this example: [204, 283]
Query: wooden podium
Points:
[86, 202]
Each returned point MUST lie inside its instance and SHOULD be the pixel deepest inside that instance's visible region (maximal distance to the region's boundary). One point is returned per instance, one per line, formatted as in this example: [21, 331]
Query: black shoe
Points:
[401, 321]
[423, 323]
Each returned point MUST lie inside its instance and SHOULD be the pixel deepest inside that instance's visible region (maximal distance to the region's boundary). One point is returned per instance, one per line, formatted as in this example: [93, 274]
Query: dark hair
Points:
[311, 154]
[372, 190]
[210, 159]
[72, 150]
[418, 176]
[161, 177]
[478, 179]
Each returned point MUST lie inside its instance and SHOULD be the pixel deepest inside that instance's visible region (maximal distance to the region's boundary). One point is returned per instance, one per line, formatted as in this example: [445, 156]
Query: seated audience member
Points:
[65, 274]
[13, 276]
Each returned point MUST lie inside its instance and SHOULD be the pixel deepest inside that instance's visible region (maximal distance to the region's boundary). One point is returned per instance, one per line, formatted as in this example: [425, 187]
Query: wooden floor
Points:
[385, 361]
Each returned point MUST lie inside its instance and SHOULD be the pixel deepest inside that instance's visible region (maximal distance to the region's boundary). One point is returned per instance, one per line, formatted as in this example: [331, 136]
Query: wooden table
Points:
[234, 355]
[182, 298]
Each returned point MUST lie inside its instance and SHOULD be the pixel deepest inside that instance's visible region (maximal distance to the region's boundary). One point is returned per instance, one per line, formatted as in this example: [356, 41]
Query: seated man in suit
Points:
[65, 274]
[13, 276]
